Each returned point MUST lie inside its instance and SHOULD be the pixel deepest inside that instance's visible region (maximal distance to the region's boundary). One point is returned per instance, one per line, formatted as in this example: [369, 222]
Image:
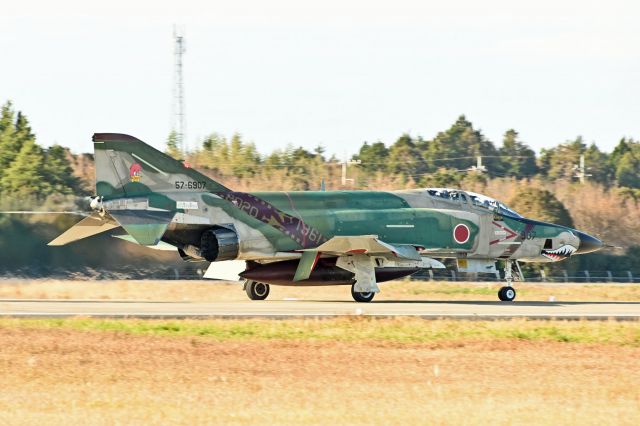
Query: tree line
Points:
[447, 159]
[27, 170]
[540, 186]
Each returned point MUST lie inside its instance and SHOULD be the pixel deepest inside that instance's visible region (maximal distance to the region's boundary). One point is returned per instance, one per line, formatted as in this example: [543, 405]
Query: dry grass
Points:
[354, 329]
[222, 291]
[64, 375]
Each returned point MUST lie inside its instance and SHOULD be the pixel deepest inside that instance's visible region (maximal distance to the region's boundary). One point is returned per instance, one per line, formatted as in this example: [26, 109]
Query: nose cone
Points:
[588, 244]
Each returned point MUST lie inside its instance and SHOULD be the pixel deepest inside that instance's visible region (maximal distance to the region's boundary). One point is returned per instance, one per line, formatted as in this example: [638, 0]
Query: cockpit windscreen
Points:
[478, 200]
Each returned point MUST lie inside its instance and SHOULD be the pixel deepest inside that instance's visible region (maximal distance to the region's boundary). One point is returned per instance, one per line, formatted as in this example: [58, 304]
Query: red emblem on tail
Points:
[135, 172]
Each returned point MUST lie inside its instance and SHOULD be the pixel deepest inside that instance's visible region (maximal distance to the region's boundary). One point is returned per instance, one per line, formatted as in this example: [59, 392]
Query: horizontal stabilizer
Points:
[87, 227]
[36, 212]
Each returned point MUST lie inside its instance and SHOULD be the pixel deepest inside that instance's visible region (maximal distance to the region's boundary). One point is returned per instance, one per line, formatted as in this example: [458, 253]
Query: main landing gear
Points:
[256, 290]
[508, 293]
[361, 297]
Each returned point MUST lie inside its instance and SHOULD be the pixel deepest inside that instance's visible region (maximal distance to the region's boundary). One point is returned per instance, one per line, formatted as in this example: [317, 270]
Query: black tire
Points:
[256, 290]
[361, 297]
[507, 294]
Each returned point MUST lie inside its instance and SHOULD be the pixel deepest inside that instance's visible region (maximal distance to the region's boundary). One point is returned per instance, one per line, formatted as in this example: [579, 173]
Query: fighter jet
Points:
[311, 238]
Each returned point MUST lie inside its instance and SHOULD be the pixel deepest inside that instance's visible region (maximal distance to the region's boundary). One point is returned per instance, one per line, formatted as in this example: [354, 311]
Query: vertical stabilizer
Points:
[128, 167]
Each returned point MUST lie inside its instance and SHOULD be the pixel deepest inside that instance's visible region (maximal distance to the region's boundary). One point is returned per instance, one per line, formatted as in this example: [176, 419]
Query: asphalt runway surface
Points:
[320, 309]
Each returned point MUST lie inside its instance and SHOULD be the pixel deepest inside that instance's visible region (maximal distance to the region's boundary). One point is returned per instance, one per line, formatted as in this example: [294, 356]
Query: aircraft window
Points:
[438, 192]
[478, 200]
[506, 210]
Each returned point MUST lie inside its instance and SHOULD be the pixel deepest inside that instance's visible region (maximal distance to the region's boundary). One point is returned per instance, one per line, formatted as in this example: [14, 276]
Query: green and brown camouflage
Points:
[361, 237]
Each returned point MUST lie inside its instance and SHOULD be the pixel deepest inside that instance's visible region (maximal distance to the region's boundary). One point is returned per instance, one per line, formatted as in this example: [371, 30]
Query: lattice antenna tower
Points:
[179, 119]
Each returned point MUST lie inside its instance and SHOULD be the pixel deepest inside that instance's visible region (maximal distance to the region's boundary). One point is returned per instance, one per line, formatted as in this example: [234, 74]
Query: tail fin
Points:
[127, 167]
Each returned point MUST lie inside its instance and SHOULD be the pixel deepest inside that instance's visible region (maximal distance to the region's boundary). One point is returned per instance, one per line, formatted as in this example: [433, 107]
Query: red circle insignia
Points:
[461, 233]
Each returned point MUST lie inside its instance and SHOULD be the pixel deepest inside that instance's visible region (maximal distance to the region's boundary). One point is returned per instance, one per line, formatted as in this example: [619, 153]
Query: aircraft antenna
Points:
[179, 122]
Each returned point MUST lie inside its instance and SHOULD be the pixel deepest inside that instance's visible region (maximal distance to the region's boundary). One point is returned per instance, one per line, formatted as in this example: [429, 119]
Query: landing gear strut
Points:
[361, 297]
[508, 293]
[256, 290]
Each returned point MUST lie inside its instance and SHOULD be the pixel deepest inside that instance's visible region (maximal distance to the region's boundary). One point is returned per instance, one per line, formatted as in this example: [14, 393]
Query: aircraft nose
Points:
[588, 243]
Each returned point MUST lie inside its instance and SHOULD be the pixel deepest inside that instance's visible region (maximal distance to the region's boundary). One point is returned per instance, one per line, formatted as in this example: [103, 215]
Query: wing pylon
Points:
[359, 254]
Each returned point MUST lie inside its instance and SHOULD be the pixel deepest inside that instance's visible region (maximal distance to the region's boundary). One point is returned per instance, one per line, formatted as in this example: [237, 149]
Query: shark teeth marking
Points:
[560, 253]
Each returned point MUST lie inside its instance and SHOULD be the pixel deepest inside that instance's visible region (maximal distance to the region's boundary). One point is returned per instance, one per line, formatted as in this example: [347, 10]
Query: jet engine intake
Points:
[219, 244]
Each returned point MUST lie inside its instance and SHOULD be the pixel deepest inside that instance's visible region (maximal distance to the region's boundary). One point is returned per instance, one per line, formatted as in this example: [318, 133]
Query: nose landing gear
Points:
[508, 293]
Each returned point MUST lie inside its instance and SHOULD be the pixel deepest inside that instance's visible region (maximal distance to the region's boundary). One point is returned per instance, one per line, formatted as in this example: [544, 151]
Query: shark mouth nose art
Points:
[560, 253]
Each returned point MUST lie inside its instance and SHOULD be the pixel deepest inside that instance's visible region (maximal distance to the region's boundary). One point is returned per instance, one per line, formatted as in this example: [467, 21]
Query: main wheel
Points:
[256, 290]
[507, 294]
[361, 297]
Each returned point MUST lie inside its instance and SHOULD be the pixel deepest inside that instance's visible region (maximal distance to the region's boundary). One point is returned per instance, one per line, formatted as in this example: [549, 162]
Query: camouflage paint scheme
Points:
[158, 199]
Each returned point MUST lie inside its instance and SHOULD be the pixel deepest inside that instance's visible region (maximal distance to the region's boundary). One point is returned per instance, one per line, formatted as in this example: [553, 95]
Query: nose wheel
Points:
[507, 294]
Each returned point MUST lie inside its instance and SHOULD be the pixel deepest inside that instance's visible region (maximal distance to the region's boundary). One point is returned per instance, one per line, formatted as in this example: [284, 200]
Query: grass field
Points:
[336, 371]
[342, 371]
[221, 291]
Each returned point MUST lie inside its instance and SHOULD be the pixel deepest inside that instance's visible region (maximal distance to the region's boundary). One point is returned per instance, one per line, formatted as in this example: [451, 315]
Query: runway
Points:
[320, 309]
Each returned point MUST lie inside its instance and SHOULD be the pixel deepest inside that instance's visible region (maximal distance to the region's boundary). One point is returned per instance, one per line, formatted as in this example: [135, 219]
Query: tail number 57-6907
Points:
[190, 185]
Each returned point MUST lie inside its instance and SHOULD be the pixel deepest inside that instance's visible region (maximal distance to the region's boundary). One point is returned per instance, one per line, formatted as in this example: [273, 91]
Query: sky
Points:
[330, 73]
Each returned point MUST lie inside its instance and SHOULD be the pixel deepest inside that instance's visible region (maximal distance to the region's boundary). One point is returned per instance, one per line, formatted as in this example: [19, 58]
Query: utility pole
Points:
[345, 164]
[581, 170]
[478, 168]
[178, 125]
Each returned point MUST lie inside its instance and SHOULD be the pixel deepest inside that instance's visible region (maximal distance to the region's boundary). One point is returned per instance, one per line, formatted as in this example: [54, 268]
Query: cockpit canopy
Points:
[477, 200]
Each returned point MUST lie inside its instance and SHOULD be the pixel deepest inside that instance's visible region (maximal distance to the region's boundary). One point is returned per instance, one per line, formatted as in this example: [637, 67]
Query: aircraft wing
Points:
[87, 227]
[364, 245]
[367, 244]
